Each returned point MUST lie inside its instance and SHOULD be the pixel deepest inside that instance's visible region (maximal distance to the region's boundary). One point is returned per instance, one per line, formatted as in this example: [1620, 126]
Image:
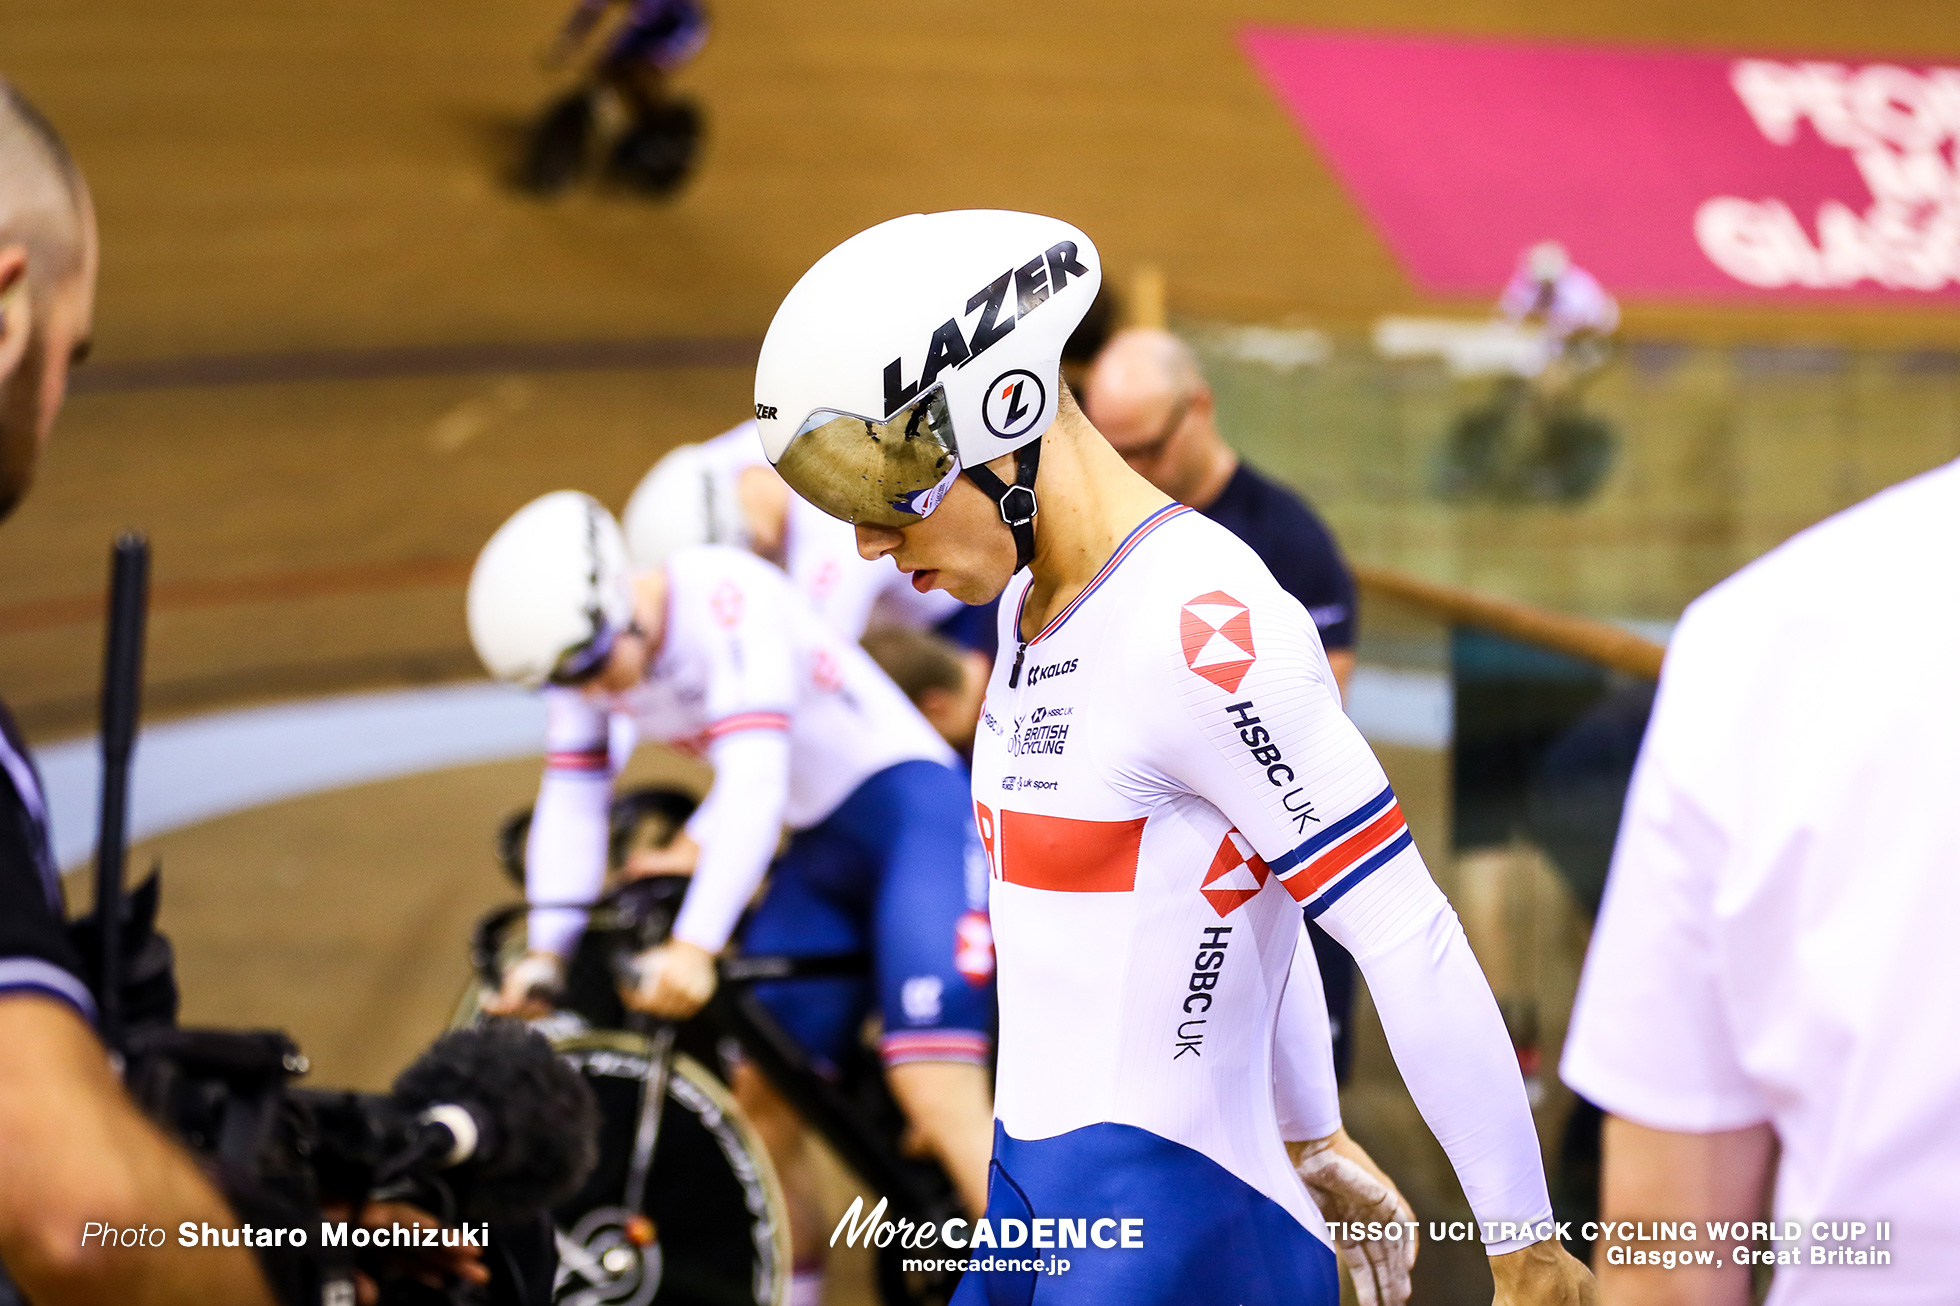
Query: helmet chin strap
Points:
[1016, 502]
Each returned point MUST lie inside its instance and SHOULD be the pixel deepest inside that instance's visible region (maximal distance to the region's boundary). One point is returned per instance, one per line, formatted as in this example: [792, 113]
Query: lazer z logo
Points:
[1014, 401]
[1032, 283]
[765, 413]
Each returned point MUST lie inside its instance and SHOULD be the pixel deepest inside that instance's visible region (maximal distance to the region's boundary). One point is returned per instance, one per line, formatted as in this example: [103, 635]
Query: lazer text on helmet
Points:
[1033, 282]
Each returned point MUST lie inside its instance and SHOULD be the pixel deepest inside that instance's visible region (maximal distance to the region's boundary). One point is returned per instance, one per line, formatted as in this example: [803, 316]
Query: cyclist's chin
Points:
[968, 585]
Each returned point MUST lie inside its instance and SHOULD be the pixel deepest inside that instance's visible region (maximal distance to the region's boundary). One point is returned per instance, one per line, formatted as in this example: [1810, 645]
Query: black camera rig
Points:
[484, 1132]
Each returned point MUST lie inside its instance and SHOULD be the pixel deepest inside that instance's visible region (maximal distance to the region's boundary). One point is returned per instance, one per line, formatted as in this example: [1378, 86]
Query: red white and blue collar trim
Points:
[1123, 550]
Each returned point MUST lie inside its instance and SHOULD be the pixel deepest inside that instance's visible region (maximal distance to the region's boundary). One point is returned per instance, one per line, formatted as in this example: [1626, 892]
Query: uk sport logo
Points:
[1235, 875]
[1217, 633]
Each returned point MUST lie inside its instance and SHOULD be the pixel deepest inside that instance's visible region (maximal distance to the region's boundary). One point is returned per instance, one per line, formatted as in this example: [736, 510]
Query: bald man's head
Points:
[1149, 399]
[1142, 366]
[47, 285]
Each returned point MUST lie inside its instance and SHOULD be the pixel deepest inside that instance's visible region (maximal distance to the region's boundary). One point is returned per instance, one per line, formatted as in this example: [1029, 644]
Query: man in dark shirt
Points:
[1148, 397]
[73, 1148]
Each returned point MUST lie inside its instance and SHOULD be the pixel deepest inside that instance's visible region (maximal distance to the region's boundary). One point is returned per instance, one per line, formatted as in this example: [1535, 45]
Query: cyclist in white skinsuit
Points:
[1163, 772]
[723, 491]
[716, 653]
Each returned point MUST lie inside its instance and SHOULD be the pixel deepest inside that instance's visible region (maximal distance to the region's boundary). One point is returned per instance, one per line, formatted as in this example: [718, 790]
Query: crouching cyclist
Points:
[715, 652]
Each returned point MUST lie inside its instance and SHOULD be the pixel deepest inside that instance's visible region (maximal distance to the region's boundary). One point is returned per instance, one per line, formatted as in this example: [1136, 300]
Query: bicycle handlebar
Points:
[628, 908]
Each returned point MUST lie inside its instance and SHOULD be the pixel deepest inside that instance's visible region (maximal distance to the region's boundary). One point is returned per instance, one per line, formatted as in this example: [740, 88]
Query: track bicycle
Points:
[684, 1206]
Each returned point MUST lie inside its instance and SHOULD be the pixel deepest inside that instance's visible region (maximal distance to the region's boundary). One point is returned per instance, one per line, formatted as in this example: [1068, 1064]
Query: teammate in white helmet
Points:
[1163, 772]
[1566, 298]
[725, 492]
[714, 652]
[1575, 313]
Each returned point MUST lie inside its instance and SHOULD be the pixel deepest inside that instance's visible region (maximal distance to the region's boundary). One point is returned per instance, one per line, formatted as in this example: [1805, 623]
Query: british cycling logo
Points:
[1216, 631]
[860, 1228]
[1037, 733]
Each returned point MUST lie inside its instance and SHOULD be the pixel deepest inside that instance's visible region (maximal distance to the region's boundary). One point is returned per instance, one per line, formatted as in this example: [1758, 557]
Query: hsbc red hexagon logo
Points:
[1236, 874]
[1217, 633]
[973, 948]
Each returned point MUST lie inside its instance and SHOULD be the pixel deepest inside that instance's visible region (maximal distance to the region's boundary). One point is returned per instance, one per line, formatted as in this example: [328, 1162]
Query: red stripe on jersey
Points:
[584, 759]
[728, 725]
[1069, 856]
[1346, 853]
[934, 1045]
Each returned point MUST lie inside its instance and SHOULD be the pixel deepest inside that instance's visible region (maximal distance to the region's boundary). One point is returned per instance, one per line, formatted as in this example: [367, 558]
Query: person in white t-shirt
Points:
[723, 491]
[716, 653]
[1772, 993]
[1163, 774]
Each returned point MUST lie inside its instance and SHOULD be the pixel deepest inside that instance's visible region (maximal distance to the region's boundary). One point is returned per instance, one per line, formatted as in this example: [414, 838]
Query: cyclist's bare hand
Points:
[1543, 1274]
[530, 987]
[676, 980]
[1349, 1188]
[677, 858]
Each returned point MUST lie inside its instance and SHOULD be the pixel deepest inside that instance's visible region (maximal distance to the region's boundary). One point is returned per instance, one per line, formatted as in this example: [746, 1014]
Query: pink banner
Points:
[1665, 174]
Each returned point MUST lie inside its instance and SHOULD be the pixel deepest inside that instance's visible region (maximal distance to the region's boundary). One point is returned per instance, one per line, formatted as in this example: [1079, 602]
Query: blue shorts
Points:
[895, 871]
[1203, 1236]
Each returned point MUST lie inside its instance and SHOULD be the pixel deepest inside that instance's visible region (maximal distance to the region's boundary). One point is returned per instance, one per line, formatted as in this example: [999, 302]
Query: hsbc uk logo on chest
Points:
[1235, 876]
[1216, 632]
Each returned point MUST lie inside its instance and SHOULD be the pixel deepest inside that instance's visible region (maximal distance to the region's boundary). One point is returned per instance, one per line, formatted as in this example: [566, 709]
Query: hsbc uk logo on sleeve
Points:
[1216, 632]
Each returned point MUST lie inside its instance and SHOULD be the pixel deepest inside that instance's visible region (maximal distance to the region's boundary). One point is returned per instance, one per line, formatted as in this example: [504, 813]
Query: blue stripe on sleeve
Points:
[1359, 873]
[1360, 816]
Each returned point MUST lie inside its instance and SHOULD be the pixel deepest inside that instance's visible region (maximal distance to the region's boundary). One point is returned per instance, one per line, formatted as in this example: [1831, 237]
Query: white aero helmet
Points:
[689, 497]
[1547, 260]
[550, 592]
[919, 349]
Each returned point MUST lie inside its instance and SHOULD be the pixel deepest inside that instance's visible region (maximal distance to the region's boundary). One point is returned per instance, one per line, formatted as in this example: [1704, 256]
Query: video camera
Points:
[484, 1132]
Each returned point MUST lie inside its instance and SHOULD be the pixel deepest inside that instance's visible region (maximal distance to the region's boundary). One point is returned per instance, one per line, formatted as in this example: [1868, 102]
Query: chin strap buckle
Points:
[1017, 505]
[1016, 502]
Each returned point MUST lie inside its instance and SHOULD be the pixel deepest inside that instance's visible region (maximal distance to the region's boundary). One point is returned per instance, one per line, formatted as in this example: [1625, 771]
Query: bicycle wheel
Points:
[555, 154]
[719, 1232]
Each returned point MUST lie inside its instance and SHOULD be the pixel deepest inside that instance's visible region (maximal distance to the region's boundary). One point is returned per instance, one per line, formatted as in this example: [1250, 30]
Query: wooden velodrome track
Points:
[333, 350]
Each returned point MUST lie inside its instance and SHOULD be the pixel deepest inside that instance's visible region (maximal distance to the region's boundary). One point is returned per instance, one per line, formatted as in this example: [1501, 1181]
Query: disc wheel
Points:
[712, 1230]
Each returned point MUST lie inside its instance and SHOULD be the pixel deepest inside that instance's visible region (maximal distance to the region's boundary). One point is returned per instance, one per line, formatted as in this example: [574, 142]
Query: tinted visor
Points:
[584, 662]
[889, 473]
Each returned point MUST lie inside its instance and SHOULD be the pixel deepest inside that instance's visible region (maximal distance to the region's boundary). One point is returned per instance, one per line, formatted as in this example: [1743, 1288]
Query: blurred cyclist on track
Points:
[655, 37]
[1576, 314]
[656, 148]
[714, 652]
[1162, 775]
[725, 492]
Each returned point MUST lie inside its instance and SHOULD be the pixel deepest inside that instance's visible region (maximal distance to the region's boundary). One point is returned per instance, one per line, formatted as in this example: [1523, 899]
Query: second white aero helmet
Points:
[550, 592]
[921, 348]
[689, 497]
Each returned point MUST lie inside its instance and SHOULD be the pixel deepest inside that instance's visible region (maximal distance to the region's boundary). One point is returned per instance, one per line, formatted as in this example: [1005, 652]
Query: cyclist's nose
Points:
[874, 542]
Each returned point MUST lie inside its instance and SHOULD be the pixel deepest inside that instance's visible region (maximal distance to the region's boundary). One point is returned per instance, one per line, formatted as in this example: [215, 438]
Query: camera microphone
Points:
[498, 1105]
